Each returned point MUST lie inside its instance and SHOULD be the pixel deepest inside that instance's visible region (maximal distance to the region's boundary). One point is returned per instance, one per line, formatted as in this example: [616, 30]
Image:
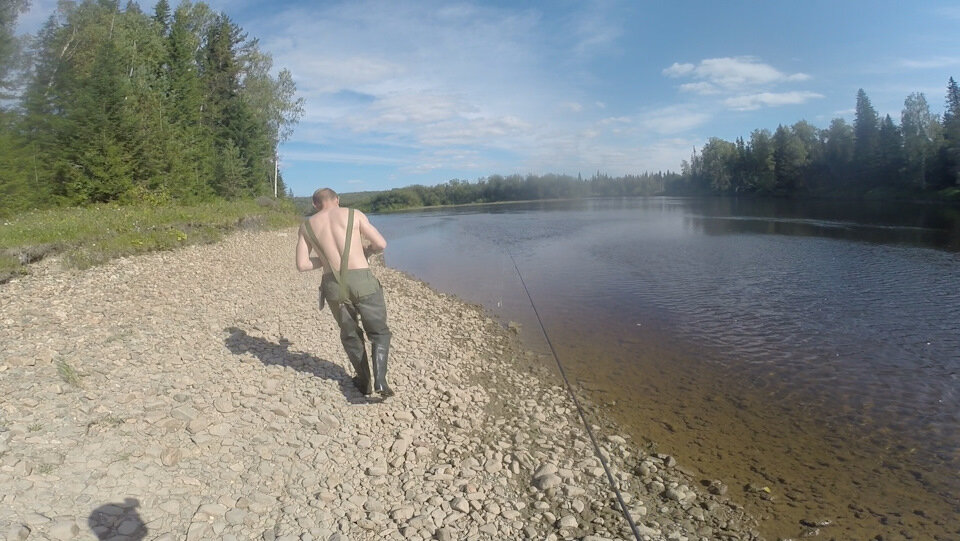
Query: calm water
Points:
[815, 346]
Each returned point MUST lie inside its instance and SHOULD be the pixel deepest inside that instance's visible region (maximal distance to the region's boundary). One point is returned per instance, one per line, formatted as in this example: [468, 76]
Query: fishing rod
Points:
[583, 416]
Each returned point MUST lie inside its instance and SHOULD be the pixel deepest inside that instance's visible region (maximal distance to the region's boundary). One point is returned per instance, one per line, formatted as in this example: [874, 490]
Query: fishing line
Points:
[583, 416]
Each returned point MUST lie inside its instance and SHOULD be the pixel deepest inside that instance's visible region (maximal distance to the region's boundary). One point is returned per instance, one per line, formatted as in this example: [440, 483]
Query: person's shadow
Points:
[270, 353]
[118, 521]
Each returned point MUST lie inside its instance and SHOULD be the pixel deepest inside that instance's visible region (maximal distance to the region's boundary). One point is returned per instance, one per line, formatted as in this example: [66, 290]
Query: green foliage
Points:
[874, 158]
[516, 188]
[92, 235]
[68, 373]
[126, 107]
[950, 152]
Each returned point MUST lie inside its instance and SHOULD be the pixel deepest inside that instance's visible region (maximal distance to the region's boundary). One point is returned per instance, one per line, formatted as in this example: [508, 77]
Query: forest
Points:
[919, 158]
[110, 104]
[497, 188]
[874, 157]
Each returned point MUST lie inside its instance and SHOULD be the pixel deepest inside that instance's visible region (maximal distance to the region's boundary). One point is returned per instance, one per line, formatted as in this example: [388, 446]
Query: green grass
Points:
[68, 373]
[89, 236]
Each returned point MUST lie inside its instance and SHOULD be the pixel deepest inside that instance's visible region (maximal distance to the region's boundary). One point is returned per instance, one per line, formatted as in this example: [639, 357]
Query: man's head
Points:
[324, 196]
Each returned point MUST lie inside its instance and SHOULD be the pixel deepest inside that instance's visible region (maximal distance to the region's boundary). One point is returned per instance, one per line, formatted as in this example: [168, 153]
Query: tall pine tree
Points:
[951, 136]
[866, 132]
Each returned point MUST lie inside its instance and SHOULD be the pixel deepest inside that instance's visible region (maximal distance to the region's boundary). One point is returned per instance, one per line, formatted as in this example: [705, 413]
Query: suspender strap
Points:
[344, 257]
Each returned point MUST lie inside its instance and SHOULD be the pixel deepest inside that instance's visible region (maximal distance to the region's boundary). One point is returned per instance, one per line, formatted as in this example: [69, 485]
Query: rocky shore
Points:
[199, 394]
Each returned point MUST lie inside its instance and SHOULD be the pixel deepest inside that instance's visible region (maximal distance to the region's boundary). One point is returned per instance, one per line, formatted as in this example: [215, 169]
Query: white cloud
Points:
[495, 132]
[616, 157]
[458, 159]
[769, 99]
[931, 63]
[673, 119]
[318, 74]
[949, 12]
[679, 70]
[462, 74]
[616, 120]
[339, 157]
[732, 74]
[702, 87]
[594, 29]
[571, 106]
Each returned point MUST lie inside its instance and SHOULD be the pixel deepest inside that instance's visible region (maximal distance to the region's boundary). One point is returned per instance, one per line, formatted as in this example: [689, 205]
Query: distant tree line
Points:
[519, 188]
[875, 156]
[107, 104]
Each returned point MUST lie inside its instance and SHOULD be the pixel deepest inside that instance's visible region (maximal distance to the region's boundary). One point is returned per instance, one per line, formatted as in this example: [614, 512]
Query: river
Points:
[806, 354]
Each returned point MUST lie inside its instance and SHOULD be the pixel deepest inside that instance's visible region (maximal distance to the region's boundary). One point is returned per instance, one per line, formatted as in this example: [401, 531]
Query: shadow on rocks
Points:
[272, 353]
[118, 521]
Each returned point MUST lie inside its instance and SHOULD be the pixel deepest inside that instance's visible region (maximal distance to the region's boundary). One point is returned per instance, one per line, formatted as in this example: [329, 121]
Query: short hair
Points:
[323, 194]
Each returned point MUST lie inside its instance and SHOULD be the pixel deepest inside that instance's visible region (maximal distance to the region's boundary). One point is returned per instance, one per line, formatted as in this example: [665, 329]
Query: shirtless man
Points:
[359, 297]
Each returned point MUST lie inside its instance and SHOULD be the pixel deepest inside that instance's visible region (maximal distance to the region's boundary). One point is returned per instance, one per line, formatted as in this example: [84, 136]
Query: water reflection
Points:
[935, 226]
[815, 340]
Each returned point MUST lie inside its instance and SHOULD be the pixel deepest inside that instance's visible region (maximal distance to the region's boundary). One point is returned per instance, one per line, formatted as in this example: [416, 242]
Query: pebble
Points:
[221, 397]
[548, 481]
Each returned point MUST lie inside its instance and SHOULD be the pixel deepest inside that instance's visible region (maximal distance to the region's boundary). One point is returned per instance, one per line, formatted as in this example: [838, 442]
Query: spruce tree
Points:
[161, 14]
[866, 131]
[890, 154]
[951, 136]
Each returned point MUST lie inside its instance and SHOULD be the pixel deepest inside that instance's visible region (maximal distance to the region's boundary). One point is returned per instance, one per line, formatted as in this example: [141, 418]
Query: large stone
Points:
[402, 514]
[377, 470]
[185, 413]
[171, 456]
[548, 481]
[64, 529]
[223, 404]
[545, 469]
[18, 532]
[235, 516]
[460, 504]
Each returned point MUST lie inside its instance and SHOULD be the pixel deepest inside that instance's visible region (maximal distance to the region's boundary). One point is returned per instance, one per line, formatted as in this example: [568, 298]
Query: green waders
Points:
[356, 298]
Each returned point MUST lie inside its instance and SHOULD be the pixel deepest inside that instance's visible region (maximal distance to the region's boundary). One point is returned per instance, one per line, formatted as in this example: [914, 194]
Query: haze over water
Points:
[799, 346]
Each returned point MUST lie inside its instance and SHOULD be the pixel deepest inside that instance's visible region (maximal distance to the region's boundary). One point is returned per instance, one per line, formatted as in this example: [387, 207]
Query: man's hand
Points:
[369, 251]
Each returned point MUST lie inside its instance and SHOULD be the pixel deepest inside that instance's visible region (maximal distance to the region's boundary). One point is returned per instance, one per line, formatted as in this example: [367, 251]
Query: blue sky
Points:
[401, 93]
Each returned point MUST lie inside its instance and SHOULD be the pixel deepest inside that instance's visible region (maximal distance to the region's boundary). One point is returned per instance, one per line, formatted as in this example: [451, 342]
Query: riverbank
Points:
[84, 237]
[198, 394]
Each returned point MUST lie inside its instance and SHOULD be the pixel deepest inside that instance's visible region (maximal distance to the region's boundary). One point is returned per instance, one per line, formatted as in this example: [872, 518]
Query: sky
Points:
[401, 93]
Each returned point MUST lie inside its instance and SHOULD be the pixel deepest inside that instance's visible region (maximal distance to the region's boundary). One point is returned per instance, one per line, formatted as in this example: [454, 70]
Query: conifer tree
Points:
[951, 135]
[161, 14]
[890, 154]
[866, 131]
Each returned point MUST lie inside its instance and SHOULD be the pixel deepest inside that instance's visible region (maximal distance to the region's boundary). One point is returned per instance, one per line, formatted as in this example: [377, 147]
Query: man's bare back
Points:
[355, 297]
[329, 225]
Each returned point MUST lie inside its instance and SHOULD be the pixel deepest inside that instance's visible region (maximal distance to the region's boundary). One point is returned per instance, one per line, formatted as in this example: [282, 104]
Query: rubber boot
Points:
[363, 380]
[380, 353]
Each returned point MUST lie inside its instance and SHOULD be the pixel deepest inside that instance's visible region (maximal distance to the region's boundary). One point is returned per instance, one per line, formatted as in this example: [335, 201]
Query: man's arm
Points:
[377, 242]
[304, 261]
